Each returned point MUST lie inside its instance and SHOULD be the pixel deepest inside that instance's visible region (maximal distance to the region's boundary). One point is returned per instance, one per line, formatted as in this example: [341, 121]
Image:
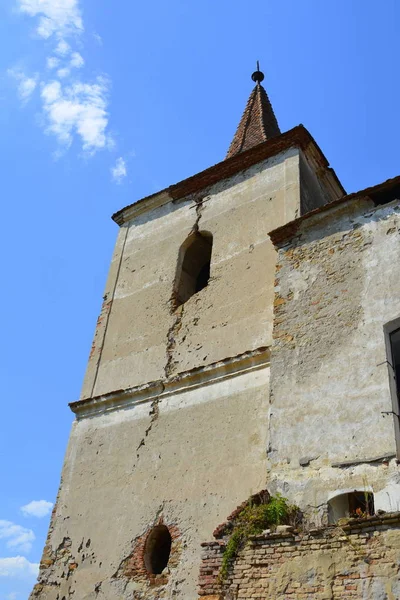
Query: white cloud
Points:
[119, 171]
[18, 566]
[76, 109]
[53, 62]
[76, 60]
[98, 38]
[62, 48]
[18, 538]
[26, 85]
[51, 92]
[12, 596]
[64, 72]
[59, 17]
[37, 508]
[79, 109]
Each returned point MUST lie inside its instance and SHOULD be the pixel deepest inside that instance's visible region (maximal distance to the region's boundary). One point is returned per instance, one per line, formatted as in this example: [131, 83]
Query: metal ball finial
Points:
[258, 75]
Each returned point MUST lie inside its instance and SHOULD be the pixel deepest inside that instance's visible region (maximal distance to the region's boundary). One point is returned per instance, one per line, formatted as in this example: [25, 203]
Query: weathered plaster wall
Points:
[138, 339]
[360, 560]
[337, 285]
[184, 458]
[189, 459]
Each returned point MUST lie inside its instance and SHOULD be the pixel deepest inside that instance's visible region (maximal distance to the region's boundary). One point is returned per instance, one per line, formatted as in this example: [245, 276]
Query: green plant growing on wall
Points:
[278, 510]
[252, 520]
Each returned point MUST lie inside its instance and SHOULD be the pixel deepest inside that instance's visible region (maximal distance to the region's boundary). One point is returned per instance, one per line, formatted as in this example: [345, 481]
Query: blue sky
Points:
[103, 103]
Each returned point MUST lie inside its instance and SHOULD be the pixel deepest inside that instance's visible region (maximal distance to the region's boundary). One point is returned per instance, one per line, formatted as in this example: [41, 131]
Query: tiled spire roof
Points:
[258, 123]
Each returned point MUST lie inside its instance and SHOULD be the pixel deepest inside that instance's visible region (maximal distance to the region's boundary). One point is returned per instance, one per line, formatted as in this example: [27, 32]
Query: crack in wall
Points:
[199, 213]
[171, 340]
[173, 331]
[154, 414]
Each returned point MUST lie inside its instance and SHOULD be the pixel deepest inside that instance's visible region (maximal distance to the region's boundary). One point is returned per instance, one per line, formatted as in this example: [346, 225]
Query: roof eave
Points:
[297, 137]
[283, 234]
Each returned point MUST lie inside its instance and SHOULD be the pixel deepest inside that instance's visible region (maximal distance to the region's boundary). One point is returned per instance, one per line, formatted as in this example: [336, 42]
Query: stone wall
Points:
[359, 560]
[172, 424]
[331, 426]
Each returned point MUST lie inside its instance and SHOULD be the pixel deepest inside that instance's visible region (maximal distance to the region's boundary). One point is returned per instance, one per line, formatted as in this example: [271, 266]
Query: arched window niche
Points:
[193, 269]
[157, 550]
[350, 503]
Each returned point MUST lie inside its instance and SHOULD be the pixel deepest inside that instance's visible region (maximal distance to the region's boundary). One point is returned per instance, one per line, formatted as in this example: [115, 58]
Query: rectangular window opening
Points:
[393, 355]
[395, 348]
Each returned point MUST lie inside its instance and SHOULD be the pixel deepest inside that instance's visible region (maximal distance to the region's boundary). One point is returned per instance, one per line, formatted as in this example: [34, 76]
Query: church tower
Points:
[171, 429]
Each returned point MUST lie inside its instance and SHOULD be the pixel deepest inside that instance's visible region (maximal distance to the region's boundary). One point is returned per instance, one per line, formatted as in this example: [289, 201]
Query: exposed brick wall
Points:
[358, 560]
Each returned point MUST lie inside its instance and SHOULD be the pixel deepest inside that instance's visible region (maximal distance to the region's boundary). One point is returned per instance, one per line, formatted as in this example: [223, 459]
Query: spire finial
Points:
[258, 123]
[258, 75]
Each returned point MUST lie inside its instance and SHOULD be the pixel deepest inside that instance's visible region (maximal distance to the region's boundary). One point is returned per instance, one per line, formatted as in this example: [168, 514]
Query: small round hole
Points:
[157, 550]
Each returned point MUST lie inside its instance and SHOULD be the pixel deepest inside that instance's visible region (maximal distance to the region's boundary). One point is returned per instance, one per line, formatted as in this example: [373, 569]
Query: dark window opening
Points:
[193, 271]
[392, 338]
[203, 277]
[361, 504]
[157, 550]
[395, 348]
[353, 504]
[387, 193]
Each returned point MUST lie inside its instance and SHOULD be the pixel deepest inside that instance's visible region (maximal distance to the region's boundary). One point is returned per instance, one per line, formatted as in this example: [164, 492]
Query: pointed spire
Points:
[258, 123]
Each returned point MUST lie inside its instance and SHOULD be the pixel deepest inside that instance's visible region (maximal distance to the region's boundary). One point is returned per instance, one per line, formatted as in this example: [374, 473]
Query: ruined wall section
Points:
[139, 339]
[336, 287]
[185, 460]
[360, 560]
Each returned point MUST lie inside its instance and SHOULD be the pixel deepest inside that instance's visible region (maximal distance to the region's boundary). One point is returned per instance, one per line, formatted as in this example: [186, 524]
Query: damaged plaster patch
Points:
[58, 564]
[335, 289]
[319, 298]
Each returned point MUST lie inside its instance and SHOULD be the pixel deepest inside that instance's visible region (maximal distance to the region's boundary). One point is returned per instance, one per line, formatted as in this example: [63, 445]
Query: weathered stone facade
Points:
[165, 384]
[272, 374]
[359, 560]
[331, 426]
